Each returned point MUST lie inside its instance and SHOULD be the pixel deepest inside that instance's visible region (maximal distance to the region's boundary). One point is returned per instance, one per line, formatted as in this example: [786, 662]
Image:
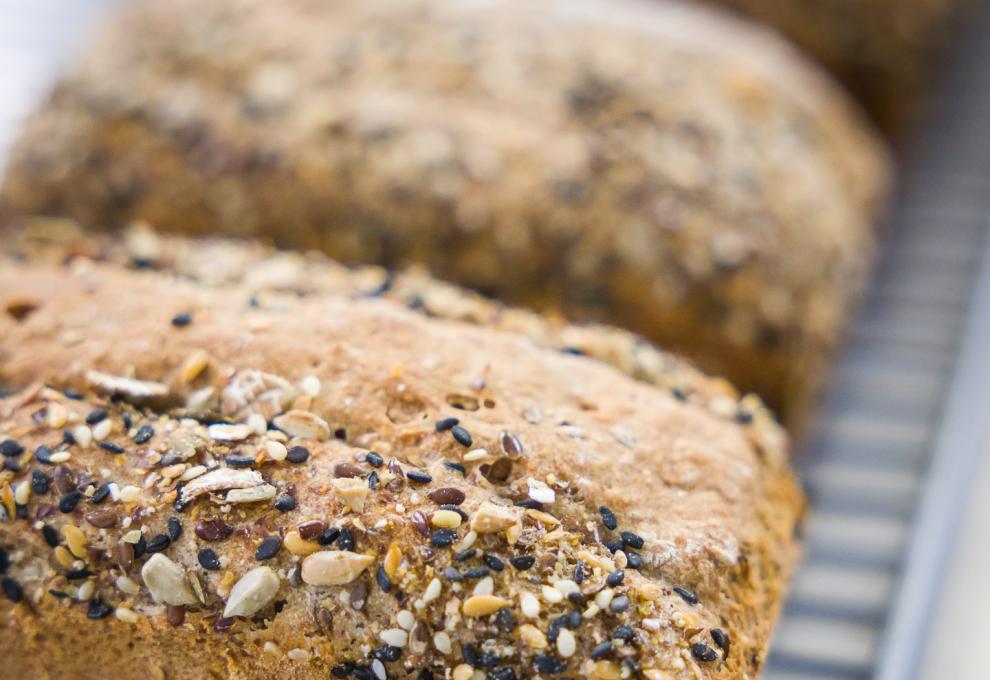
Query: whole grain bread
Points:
[884, 51]
[245, 477]
[650, 164]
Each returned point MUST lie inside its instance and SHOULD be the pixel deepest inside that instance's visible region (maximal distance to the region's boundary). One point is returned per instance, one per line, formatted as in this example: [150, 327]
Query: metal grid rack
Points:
[882, 427]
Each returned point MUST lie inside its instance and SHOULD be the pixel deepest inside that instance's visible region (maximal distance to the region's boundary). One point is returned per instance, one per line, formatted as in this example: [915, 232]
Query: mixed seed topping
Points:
[484, 569]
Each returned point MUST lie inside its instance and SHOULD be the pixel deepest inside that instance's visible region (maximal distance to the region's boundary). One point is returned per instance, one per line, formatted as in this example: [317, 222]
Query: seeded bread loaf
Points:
[249, 480]
[649, 164]
[885, 51]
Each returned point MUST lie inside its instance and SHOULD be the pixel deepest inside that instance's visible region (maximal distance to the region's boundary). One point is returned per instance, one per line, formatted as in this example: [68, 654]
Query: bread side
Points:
[650, 164]
[169, 413]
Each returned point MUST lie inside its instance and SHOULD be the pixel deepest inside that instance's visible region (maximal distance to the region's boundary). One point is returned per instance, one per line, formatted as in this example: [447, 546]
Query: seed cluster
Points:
[467, 564]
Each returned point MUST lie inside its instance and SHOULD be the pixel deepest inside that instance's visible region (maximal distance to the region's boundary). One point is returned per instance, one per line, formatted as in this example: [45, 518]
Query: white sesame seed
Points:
[603, 598]
[442, 642]
[257, 422]
[552, 595]
[395, 637]
[530, 605]
[126, 584]
[540, 492]
[651, 624]
[22, 494]
[126, 615]
[485, 586]
[405, 619]
[310, 385]
[567, 587]
[466, 542]
[83, 436]
[61, 457]
[378, 668]
[132, 536]
[86, 591]
[566, 644]
[298, 654]
[130, 493]
[475, 454]
[193, 472]
[276, 450]
[432, 590]
[102, 429]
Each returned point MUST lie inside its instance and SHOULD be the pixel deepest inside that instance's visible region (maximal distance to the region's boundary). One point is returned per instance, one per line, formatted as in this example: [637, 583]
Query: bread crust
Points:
[649, 164]
[710, 495]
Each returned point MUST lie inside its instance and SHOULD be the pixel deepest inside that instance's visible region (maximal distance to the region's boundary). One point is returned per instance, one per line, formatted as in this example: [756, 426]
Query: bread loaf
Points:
[245, 478]
[885, 51]
[649, 164]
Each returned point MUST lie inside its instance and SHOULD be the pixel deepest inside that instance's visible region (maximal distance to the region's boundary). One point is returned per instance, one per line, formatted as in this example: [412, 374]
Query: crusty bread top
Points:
[709, 501]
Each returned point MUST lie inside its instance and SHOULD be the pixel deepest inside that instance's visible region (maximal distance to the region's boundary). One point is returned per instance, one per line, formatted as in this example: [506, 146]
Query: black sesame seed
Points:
[529, 504]
[4, 561]
[548, 664]
[614, 546]
[387, 653]
[703, 652]
[471, 655]
[608, 518]
[382, 579]
[340, 433]
[461, 436]
[720, 638]
[43, 454]
[140, 548]
[111, 447]
[634, 561]
[208, 559]
[101, 494]
[602, 650]
[686, 594]
[579, 573]
[10, 448]
[126, 417]
[328, 536]
[144, 434]
[346, 539]
[493, 562]
[12, 589]
[182, 320]
[632, 540]
[446, 423]
[77, 574]
[502, 673]
[374, 459]
[342, 670]
[39, 483]
[577, 599]
[477, 572]
[297, 454]
[615, 578]
[58, 594]
[419, 477]
[73, 395]
[98, 609]
[744, 417]
[456, 467]
[96, 415]
[236, 461]
[454, 508]
[505, 620]
[268, 548]
[619, 604]
[68, 502]
[158, 543]
[11, 465]
[465, 555]
[174, 528]
[285, 503]
[452, 574]
[50, 535]
[625, 633]
[522, 562]
[373, 480]
[442, 538]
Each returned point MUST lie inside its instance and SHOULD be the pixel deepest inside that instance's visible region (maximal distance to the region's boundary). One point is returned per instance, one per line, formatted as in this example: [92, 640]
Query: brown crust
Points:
[720, 202]
[713, 499]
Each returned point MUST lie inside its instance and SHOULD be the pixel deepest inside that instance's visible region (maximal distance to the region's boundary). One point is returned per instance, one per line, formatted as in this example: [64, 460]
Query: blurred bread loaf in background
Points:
[884, 51]
[655, 165]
